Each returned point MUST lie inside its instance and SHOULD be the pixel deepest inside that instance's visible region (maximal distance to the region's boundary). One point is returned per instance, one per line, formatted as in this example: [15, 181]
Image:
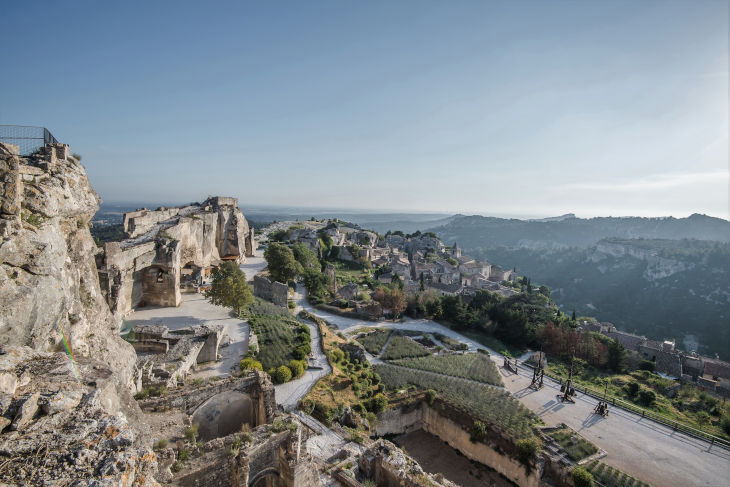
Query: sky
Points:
[599, 108]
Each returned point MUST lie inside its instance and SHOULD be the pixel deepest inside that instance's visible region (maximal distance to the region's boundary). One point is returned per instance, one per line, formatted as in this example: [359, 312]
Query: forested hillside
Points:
[635, 277]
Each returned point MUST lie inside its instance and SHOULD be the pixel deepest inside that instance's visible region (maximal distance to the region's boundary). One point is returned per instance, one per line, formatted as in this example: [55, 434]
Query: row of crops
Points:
[472, 366]
[612, 477]
[401, 347]
[374, 341]
[450, 343]
[485, 403]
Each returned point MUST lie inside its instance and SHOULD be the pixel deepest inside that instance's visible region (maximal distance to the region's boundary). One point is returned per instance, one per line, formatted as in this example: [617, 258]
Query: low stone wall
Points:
[452, 426]
[273, 291]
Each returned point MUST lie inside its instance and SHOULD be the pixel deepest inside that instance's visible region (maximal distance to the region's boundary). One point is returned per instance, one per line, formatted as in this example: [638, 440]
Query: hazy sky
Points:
[522, 108]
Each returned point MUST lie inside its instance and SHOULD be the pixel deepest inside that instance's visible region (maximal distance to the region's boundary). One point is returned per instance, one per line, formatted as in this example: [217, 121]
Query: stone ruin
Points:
[245, 440]
[276, 292]
[165, 358]
[169, 248]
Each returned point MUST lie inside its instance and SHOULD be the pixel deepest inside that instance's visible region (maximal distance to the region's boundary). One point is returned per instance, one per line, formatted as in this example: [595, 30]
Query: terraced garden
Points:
[484, 403]
[575, 446]
[373, 342]
[612, 477]
[401, 347]
[472, 366]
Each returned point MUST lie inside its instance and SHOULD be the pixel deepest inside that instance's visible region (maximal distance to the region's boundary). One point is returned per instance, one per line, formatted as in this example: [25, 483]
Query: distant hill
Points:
[662, 277]
[568, 231]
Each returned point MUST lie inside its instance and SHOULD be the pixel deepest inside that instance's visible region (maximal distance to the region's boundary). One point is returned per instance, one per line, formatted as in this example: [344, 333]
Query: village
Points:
[420, 260]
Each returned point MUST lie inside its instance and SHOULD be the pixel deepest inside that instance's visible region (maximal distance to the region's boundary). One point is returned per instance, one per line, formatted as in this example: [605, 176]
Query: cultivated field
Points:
[373, 342]
[401, 347]
[485, 403]
[474, 366]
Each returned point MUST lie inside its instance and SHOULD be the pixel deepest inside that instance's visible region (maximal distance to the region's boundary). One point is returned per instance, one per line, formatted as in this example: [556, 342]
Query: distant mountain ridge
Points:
[569, 231]
[661, 277]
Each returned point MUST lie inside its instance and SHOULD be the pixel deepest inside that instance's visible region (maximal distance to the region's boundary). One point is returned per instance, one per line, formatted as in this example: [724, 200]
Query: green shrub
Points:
[478, 431]
[632, 388]
[430, 396]
[191, 433]
[378, 403]
[647, 398]
[160, 444]
[291, 305]
[250, 363]
[726, 425]
[297, 368]
[581, 477]
[281, 374]
[527, 451]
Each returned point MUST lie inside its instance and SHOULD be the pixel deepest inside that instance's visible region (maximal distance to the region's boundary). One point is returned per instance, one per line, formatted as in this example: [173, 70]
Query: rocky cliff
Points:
[65, 418]
[50, 287]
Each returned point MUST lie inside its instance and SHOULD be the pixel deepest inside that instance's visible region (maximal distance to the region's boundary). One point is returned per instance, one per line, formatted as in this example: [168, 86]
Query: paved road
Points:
[644, 449]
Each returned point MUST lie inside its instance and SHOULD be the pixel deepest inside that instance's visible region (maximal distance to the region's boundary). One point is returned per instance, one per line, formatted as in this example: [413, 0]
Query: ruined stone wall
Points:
[276, 292]
[48, 272]
[257, 385]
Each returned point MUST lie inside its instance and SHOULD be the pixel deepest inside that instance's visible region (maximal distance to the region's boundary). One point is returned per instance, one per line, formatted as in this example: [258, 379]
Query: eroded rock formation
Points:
[161, 245]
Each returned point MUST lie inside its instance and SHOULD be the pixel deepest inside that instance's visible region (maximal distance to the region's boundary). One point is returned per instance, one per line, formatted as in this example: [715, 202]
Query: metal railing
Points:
[28, 138]
[644, 413]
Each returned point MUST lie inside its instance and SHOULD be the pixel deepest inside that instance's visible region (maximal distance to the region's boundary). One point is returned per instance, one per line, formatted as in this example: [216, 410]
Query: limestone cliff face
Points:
[48, 279]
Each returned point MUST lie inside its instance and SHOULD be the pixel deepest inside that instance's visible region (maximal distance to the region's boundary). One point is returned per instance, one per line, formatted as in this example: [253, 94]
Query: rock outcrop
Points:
[65, 423]
[147, 267]
[50, 290]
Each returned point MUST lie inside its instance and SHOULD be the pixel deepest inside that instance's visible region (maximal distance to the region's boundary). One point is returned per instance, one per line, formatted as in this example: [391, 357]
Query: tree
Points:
[229, 287]
[544, 290]
[423, 285]
[616, 356]
[647, 365]
[573, 317]
[378, 403]
[397, 302]
[283, 266]
[306, 257]
[632, 388]
[281, 374]
[430, 396]
[647, 397]
[581, 477]
[315, 282]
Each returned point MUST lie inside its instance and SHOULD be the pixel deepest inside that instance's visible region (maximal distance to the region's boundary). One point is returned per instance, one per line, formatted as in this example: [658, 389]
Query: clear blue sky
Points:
[521, 108]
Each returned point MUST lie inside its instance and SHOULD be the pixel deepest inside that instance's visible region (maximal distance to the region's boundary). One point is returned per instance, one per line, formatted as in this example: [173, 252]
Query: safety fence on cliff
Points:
[28, 138]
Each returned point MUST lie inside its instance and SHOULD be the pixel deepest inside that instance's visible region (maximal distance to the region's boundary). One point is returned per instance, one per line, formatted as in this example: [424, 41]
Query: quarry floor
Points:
[436, 456]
